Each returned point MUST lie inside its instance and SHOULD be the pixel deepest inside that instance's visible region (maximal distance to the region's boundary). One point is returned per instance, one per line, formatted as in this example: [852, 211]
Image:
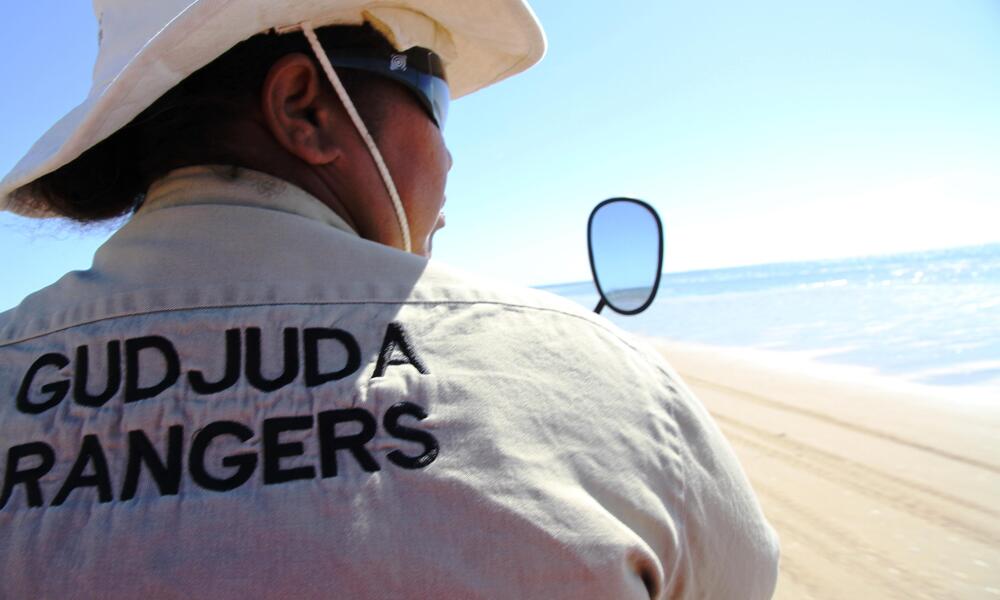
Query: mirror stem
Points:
[600, 306]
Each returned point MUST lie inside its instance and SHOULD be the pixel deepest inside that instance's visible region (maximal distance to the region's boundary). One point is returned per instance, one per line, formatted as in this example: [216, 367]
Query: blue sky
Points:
[767, 131]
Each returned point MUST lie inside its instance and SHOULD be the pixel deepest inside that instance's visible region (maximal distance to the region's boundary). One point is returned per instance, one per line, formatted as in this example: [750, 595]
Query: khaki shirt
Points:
[242, 398]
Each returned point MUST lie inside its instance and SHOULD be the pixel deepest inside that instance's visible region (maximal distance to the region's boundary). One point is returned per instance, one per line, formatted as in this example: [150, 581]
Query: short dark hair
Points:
[182, 127]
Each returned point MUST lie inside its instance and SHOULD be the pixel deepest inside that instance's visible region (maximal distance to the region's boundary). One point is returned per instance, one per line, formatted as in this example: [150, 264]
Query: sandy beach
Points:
[878, 491]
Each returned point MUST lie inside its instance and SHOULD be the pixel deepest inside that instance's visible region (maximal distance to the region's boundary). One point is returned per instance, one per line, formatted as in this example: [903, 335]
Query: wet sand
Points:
[877, 491]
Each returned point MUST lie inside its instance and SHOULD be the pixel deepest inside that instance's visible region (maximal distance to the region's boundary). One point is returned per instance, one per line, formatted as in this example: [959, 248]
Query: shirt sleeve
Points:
[728, 549]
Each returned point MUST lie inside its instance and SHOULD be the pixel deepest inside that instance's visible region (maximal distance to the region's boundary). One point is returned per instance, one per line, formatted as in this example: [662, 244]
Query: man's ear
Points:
[296, 111]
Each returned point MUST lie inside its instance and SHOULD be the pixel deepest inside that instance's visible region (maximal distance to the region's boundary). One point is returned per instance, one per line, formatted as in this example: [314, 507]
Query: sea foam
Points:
[926, 317]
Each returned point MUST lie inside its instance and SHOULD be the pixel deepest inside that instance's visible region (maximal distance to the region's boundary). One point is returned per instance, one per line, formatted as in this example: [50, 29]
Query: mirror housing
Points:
[625, 244]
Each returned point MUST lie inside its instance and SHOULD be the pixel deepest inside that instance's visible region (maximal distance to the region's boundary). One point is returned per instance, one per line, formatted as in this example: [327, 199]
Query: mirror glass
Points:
[626, 253]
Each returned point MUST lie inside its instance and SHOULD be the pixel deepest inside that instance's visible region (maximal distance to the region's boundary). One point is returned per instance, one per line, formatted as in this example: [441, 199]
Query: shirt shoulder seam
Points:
[126, 315]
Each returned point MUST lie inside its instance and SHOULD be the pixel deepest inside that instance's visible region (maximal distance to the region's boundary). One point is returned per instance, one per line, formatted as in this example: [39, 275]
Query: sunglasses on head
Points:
[418, 69]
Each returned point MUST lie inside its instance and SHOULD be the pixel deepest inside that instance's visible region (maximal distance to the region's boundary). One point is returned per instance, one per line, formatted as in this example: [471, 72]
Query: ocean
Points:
[930, 318]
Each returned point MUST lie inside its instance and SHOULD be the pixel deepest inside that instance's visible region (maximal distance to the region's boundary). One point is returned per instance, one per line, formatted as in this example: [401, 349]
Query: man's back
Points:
[239, 399]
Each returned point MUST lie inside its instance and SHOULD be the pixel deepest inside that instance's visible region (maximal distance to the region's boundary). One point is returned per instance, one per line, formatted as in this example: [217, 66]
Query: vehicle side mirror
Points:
[625, 242]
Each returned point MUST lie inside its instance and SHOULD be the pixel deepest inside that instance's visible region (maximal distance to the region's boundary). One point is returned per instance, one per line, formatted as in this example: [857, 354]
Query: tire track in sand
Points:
[869, 568]
[916, 499]
[761, 400]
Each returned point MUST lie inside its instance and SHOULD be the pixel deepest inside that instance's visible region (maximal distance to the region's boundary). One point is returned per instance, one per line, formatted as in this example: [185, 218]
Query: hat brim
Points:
[489, 41]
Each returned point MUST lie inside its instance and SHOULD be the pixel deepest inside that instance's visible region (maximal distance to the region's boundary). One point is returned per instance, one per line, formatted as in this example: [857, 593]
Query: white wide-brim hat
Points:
[148, 47]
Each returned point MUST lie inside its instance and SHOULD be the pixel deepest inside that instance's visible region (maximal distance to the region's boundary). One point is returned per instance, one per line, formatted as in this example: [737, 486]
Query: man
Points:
[261, 388]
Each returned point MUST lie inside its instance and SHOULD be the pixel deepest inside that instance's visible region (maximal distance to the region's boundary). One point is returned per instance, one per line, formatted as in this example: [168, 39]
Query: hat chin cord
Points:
[359, 124]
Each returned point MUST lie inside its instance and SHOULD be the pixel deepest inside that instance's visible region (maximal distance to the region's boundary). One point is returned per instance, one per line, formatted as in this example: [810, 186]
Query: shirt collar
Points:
[236, 186]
